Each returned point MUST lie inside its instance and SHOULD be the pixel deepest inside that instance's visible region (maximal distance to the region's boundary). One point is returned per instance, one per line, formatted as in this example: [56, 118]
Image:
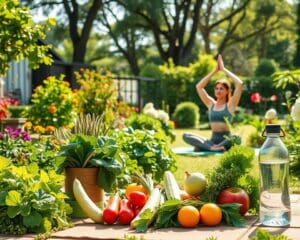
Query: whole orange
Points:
[188, 216]
[210, 214]
[135, 187]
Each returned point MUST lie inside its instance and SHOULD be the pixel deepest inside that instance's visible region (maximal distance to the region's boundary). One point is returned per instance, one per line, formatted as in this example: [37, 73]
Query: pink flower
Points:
[255, 97]
[273, 98]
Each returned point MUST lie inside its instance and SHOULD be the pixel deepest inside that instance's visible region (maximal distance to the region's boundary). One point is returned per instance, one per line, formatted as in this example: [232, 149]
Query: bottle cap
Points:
[273, 128]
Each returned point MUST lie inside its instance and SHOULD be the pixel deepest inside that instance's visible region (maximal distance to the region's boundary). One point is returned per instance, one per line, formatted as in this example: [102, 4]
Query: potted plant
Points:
[90, 155]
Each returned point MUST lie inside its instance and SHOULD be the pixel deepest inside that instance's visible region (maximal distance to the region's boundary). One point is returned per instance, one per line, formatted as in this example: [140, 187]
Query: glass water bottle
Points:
[275, 207]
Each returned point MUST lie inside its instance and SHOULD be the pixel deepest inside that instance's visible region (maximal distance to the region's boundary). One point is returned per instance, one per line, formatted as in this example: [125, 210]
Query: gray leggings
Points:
[202, 144]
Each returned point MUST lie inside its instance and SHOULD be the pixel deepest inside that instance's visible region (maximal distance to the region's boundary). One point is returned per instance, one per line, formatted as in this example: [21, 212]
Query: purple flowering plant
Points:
[17, 145]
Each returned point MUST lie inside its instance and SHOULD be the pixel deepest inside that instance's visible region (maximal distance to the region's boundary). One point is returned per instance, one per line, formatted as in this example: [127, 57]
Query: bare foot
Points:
[217, 148]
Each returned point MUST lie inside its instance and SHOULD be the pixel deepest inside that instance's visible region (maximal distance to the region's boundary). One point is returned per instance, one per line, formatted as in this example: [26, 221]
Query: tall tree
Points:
[173, 24]
[297, 54]
[80, 16]
[126, 36]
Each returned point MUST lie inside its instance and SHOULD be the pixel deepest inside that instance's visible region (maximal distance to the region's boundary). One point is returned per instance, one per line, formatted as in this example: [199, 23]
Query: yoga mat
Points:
[189, 151]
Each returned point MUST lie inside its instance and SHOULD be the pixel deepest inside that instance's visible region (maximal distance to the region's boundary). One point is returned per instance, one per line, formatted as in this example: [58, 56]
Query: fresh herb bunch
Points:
[32, 198]
[234, 165]
[167, 213]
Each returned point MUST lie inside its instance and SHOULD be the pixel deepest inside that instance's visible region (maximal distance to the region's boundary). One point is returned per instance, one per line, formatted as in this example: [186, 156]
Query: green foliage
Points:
[20, 36]
[97, 93]
[52, 104]
[174, 84]
[283, 79]
[266, 67]
[31, 200]
[16, 145]
[264, 235]
[234, 165]
[150, 150]
[16, 111]
[186, 115]
[204, 64]
[151, 70]
[145, 122]
[167, 213]
[89, 151]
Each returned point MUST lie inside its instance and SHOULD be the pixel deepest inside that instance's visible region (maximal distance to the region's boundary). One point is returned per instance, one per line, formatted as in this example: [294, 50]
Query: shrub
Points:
[16, 111]
[186, 115]
[266, 67]
[174, 84]
[97, 93]
[52, 104]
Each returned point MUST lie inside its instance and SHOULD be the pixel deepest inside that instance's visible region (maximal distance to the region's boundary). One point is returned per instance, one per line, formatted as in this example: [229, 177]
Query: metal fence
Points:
[20, 82]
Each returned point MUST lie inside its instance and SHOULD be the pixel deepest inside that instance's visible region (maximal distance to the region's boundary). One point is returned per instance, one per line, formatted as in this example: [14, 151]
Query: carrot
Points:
[126, 214]
[111, 211]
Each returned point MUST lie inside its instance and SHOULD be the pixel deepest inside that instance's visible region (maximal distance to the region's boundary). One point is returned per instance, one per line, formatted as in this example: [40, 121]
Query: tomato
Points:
[135, 187]
[137, 198]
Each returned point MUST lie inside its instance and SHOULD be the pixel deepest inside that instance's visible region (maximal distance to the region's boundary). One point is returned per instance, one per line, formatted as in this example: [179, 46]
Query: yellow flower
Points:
[39, 129]
[28, 125]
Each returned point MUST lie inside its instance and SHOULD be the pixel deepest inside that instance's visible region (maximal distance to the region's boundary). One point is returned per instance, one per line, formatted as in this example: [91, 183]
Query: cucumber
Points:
[171, 187]
[87, 205]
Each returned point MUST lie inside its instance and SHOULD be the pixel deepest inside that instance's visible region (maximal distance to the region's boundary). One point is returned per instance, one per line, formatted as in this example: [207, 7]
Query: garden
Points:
[83, 154]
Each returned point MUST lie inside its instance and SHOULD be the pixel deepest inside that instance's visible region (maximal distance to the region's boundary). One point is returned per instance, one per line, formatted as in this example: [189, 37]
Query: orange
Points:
[188, 216]
[210, 214]
[135, 187]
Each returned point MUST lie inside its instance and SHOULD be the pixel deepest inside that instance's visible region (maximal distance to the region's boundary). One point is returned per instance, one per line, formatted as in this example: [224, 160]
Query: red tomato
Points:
[137, 198]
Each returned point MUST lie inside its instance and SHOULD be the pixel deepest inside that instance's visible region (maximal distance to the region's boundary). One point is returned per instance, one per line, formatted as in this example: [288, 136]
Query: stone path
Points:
[86, 230]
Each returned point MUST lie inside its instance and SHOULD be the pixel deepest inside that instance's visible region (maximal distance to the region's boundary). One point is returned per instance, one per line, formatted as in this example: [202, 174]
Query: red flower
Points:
[273, 98]
[255, 97]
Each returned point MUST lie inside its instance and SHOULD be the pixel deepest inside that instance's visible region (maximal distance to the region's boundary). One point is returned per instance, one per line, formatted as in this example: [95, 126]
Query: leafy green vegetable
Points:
[231, 214]
[167, 213]
[31, 200]
[264, 235]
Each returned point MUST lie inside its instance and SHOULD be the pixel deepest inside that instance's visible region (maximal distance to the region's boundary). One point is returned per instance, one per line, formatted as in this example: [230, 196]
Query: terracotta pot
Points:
[88, 179]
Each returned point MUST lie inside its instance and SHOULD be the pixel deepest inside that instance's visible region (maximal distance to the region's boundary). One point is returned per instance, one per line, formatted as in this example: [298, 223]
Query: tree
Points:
[125, 34]
[79, 16]
[19, 36]
[173, 25]
[297, 54]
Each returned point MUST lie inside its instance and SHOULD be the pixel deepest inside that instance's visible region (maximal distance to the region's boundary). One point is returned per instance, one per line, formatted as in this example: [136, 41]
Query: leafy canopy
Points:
[19, 36]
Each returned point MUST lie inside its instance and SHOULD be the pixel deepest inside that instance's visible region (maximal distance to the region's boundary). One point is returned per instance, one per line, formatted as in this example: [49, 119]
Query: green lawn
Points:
[202, 164]
[207, 163]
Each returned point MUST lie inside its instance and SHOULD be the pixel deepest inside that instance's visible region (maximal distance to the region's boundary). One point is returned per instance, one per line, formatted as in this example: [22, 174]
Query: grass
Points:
[203, 164]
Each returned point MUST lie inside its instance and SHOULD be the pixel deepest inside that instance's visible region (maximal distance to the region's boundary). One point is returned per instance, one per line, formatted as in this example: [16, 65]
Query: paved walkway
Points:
[86, 230]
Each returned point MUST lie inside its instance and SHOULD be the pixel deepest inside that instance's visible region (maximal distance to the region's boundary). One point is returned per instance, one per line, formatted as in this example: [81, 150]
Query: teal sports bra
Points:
[219, 116]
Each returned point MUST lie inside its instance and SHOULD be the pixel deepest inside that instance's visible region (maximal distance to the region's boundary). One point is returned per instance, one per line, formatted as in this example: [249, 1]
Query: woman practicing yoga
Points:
[220, 110]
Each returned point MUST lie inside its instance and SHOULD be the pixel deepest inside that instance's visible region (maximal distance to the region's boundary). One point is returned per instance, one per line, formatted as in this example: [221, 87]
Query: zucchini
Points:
[171, 187]
[146, 215]
[87, 205]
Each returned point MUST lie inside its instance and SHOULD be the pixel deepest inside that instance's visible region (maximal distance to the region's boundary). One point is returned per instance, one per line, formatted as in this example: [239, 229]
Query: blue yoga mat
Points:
[189, 151]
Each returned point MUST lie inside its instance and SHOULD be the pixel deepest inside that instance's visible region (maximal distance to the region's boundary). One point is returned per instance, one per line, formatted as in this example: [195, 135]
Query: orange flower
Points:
[50, 129]
[52, 109]
[63, 96]
[67, 83]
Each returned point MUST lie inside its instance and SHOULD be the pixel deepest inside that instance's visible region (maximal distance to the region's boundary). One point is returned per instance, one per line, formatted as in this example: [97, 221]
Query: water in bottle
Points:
[275, 208]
